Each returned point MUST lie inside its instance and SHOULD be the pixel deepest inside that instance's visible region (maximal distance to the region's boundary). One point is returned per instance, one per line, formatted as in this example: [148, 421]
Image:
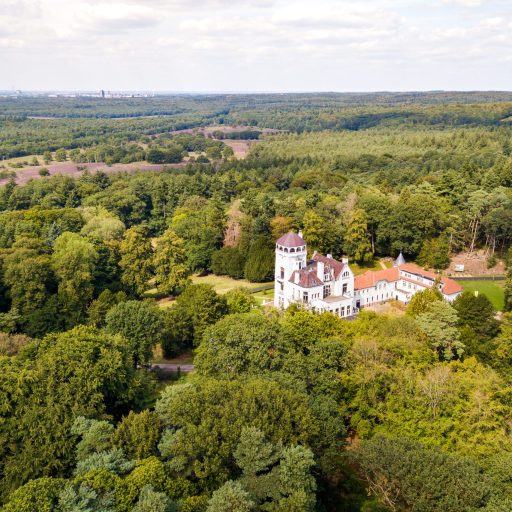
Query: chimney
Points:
[300, 233]
[344, 261]
[329, 256]
[314, 254]
[320, 270]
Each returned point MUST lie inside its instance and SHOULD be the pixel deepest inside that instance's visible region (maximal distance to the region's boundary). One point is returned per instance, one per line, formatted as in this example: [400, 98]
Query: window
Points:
[282, 272]
[305, 296]
[281, 285]
[342, 310]
[327, 290]
[345, 288]
[345, 274]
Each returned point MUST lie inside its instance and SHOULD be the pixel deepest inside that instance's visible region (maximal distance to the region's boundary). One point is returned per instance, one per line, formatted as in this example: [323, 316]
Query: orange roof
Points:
[449, 285]
[370, 278]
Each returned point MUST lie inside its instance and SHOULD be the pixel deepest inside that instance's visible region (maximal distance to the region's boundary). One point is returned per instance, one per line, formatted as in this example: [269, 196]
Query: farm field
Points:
[492, 289]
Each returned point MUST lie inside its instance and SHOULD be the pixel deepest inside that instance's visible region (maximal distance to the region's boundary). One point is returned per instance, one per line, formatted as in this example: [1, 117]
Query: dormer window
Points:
[345, 274]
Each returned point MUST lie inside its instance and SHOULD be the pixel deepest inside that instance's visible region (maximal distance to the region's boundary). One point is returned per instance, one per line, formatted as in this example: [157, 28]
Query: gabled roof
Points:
[449, 285]
[336, 266]
[307, 277]
[291, 239]
[371, 278]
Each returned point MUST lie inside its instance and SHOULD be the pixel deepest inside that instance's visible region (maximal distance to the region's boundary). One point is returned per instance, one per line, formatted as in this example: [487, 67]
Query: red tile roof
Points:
[337, 266]
[291, 240]
[370, 278]
[307, 277]
[449, 285]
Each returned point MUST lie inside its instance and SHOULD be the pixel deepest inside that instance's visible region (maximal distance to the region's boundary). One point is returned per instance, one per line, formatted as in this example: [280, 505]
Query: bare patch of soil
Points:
[475, 264]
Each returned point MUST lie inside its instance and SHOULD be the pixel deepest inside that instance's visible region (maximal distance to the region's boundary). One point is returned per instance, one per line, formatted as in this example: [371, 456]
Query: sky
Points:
[256, 45]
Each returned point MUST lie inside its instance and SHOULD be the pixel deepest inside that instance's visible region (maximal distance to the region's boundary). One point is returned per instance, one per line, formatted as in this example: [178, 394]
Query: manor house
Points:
[325, 284]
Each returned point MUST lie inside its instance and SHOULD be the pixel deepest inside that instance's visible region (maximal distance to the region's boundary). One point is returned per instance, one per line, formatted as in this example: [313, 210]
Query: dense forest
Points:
[285, 410]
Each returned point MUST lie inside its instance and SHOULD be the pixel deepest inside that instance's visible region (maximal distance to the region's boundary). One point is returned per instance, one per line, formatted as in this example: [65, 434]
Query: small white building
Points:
[325, 284]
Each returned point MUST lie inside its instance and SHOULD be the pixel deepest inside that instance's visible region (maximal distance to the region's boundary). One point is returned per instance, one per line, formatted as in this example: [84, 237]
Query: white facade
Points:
[325, 284]
[322, 284]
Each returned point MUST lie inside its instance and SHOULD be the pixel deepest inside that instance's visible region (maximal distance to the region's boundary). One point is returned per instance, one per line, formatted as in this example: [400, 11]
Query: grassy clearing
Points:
[361, 269]
[224, 284]
[492, 289]
[264, 295]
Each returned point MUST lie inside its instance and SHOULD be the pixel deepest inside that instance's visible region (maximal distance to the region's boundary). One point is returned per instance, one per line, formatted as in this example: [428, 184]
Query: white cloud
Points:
[256, 44]
[465, 3]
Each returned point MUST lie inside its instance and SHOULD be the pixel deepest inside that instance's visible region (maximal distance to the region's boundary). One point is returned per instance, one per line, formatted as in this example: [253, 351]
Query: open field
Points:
[224, 284]
[492, 289]
[374, 265]
[73, 170]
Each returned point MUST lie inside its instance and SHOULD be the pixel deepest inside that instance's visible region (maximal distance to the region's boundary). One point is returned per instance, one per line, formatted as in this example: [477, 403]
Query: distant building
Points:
[325, 284]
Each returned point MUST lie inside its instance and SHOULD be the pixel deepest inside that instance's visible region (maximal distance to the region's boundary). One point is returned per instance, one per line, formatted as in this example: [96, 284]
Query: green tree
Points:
[439, 324]
[61, 155]
[142, 324]
[422, 301]
[435, 254]
[240, 344]
[77, 373]
[211, 415]
[231, 496]
[508, 292]
[477, 313]
[99, 307]
[103, 226]
[170, 263]
[152, 501]
[73, 261]
[259, 266]
[357, 239]
[240, 300]
[40, 494]
[138, 434]
[407, 476]
[196, 308]
[29, 278]
[136, 261]
[228, 261]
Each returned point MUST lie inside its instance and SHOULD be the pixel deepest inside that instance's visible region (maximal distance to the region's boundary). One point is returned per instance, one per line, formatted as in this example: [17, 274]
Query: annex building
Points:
[325, 284]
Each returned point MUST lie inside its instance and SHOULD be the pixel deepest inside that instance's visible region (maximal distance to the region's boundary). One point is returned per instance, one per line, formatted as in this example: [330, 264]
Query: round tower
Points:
[291, 256]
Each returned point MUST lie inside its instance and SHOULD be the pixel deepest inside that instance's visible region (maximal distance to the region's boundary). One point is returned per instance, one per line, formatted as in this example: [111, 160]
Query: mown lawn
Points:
[492, 289]
[223, 284]
[264, 295]
[361, 269]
